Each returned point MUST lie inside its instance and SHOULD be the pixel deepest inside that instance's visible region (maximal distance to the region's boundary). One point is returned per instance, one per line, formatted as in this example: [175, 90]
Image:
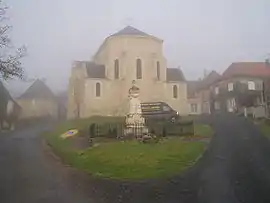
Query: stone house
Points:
[194, 101]
[100, 86]
[199, 94]
[9, 108]
[38, 101]
[242, 89]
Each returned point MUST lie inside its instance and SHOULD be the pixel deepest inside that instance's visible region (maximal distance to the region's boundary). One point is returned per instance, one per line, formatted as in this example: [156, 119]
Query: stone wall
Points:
[38, 108]
[114, 92]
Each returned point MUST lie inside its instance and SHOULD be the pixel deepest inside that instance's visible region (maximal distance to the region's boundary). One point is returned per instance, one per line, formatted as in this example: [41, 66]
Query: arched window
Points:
[158, 70]
[116, 69]
[139, 69]
[98, 89]
[175, 91]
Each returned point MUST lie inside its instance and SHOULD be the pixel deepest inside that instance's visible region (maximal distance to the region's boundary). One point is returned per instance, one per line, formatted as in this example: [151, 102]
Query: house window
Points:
[206, 107]
[116, 69]
[217, 105]
[231, 105]
[194, 108]
[230, 86]
[251, 85]
[175, 91]
[158, 70]
[98, 89]
[216, 90]
[139, 69]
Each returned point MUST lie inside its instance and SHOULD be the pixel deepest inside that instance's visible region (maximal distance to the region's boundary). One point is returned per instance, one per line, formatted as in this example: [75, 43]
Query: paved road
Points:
[236, 168]
[28, 175]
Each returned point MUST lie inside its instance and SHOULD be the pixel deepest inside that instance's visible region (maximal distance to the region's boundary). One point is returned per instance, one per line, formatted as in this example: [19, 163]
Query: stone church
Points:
[100, 86]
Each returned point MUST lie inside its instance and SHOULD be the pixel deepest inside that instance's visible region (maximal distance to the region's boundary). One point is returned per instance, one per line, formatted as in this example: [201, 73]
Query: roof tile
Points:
[129, 30]
[253, 69]
[38, 90]
[175, 74]
[95, 70]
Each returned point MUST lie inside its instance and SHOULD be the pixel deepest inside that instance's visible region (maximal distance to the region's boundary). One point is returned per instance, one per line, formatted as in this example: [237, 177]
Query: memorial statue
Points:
[134, 117]
[134, 101]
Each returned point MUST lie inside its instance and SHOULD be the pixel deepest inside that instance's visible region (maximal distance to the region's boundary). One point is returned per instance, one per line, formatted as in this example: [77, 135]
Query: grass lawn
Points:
[264, 128]
[203, 130]
[127, 160]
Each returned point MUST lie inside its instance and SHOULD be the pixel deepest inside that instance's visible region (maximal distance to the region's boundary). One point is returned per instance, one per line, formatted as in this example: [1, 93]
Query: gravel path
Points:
[235, 168]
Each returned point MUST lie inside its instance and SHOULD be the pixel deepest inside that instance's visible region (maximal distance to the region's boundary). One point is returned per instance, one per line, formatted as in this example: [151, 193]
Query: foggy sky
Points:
[197, 34]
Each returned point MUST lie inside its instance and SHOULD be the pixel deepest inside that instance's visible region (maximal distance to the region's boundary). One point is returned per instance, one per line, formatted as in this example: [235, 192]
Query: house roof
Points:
[192, 87]
[210, 79]
[4, 92]
[129, 30]
[5, 95]
[175, 74]
[95, 70]
[38, 90]
[197, 85]
[253, 69]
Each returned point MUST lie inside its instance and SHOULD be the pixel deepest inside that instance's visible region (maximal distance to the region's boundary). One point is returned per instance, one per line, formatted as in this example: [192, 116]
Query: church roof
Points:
[129, 30]
[38, 90]
[95, 70]
[175, 75]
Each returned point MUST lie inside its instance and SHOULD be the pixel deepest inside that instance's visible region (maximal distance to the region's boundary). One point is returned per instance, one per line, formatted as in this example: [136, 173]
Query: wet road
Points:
[235, 168]
[28, 175]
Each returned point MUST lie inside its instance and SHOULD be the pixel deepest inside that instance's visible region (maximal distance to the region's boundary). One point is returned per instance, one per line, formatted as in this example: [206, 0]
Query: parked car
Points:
[159, 111]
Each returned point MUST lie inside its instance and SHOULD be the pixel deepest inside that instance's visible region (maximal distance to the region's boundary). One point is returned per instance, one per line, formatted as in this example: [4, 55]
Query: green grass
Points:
[203, 130]
[127, 160]
[264, 128]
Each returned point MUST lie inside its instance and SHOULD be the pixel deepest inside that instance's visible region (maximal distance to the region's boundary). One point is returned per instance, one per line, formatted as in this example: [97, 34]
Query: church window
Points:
[158, 70]
[139, 69]
[175, 91]
[116, 69]
[98, 89]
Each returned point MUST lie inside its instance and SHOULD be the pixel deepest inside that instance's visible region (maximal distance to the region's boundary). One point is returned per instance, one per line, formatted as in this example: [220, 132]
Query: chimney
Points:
[267, 62]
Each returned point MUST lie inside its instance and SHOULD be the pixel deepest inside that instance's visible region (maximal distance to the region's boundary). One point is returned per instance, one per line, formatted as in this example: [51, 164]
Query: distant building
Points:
[199, 97]
[100, 86]
[38, 101]
[243, 88]
[9, 109]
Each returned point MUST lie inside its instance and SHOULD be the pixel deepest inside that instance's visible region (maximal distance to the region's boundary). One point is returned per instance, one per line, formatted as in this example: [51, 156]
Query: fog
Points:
[197, 34]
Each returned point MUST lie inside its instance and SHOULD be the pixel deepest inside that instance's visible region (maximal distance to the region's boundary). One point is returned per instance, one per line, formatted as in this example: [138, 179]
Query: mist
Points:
[197, 34]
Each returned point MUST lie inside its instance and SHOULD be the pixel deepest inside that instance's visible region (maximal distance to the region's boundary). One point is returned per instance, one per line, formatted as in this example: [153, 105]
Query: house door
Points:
[231, 105]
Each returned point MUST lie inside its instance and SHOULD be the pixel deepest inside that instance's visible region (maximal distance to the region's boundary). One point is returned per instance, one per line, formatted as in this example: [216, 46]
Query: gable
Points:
[38, 90]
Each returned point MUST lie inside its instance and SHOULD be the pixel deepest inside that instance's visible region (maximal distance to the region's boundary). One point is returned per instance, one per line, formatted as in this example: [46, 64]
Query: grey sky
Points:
[197, 34]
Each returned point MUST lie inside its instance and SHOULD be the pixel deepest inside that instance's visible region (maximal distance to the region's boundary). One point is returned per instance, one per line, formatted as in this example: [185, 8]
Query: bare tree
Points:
[10, 58]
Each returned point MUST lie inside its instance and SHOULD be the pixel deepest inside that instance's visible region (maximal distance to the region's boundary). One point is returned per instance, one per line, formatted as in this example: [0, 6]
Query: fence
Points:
[119, 130]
